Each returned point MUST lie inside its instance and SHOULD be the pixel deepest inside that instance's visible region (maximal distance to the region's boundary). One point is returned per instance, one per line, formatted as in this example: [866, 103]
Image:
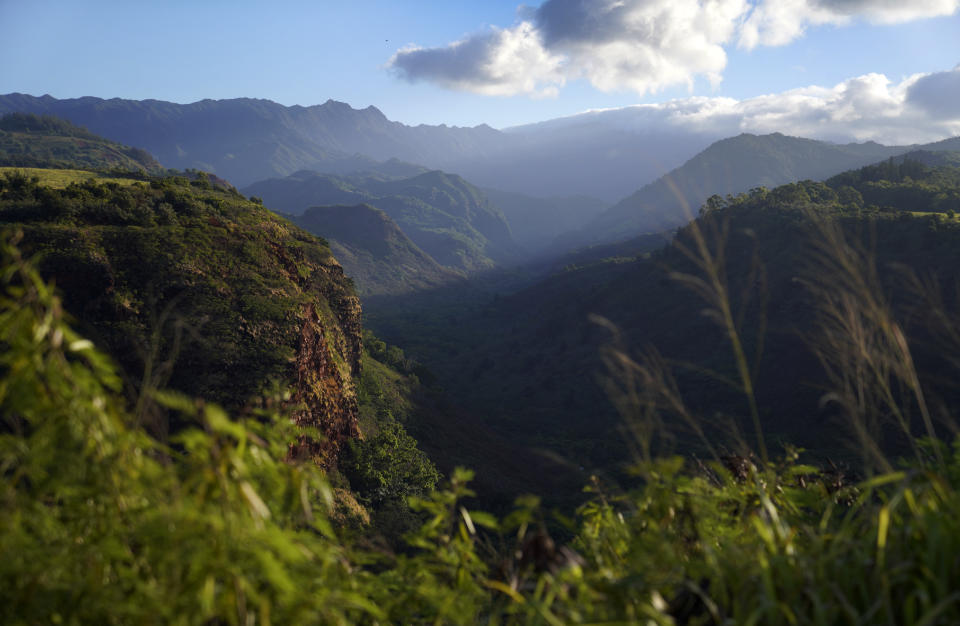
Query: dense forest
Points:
[750, 423]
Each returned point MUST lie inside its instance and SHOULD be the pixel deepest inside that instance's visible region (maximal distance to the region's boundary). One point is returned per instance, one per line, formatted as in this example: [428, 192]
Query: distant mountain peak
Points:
[728, 166]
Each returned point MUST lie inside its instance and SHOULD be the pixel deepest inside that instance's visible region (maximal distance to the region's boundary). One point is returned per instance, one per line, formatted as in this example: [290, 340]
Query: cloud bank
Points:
[640, 45]
[920, 109]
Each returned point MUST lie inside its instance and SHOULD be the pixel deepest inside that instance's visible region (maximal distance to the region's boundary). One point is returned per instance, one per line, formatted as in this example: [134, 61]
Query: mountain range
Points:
[648, 173]
[245, 140]
[534, 176]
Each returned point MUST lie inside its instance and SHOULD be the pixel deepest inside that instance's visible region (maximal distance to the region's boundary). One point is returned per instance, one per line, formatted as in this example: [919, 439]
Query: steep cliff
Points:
[191, 287]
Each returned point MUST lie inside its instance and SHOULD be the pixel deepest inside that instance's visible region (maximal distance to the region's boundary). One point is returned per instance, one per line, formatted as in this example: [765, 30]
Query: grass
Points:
[61, 179]
[945, 216]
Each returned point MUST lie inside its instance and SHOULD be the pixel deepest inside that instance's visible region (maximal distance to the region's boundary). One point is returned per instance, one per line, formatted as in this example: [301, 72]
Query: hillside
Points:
[194, 288]
[444, 215]
[45, 141]
[819, 315]
[227, 511]
[729, 166]
[374, 252]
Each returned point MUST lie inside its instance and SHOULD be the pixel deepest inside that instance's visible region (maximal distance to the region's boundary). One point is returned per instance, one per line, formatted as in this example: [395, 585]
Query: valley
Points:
[775, 315]
[510, 315]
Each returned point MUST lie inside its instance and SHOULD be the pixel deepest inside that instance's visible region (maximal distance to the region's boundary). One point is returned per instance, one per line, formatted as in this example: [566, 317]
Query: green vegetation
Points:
[63, 178]
[103, 524]
[43, 125]
[921, 182]
[192, 287]
[386, 466]
[729, 166]
[28, 140]
[528, 365]
[811, 314]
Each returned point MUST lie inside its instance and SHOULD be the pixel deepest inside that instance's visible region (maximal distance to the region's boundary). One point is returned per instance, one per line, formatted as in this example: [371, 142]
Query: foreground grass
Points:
[61, 179]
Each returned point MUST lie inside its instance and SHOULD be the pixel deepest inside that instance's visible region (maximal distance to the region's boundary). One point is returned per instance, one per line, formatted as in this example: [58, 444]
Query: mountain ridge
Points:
[608, 155]
[726, 167]
[247, 139]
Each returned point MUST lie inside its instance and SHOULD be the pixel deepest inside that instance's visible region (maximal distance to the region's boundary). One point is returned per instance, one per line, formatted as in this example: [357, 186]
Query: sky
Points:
[499, 62]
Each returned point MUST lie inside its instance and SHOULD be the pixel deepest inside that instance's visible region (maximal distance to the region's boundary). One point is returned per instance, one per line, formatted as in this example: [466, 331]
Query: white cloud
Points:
[918, 109]
[496, 63]
[938, 94]
[778, 22]
[639, 45]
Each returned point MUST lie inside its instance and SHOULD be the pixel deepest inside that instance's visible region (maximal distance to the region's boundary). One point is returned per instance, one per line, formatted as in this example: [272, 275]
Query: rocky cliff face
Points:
[327, 363]
[324, 398]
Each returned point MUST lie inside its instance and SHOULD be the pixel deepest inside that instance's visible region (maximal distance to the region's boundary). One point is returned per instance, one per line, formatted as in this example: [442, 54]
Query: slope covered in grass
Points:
[44, 141]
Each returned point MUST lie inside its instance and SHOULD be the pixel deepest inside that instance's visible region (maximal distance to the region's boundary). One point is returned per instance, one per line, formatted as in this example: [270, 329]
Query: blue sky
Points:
[306, 52]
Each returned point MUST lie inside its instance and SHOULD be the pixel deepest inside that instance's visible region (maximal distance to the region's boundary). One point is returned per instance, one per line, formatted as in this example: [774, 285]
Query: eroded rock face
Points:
[346, 309]
[325, 397]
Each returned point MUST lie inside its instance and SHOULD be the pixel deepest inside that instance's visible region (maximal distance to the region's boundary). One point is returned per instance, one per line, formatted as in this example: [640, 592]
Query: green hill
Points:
[375, 253]
[45, 141]
[729, 166]
[194, 288]
[448, 218]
